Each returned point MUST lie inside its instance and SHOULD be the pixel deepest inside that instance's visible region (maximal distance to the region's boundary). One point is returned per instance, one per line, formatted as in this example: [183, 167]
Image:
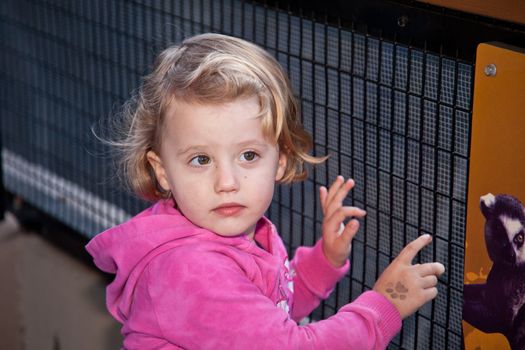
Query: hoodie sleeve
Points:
[314, 280]
[204, 300]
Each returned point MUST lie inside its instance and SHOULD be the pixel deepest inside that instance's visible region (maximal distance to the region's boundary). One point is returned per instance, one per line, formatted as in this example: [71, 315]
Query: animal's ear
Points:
[486, 204]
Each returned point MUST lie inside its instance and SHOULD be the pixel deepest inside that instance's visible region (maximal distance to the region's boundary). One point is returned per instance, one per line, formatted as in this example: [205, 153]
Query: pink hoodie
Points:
[181, 286]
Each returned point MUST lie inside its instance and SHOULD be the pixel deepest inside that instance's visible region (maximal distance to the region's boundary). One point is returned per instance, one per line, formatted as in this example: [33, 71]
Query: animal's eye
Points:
[518, 239]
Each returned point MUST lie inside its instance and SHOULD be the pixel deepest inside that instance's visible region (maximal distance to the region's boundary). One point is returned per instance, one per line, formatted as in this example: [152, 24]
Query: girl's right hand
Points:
[409, 286]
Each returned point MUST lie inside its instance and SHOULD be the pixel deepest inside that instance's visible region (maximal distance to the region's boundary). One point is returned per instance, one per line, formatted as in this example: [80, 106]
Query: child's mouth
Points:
[228, 209]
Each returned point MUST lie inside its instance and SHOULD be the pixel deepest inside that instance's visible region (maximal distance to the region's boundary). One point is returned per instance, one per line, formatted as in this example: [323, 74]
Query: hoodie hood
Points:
[120, 248]
[125, 250]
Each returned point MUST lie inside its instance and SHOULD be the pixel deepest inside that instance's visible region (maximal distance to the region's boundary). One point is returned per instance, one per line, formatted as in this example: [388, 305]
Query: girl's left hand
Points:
[337, 237]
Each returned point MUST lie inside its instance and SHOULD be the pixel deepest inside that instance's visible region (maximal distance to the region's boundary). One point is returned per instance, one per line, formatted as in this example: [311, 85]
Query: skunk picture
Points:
[498, 305]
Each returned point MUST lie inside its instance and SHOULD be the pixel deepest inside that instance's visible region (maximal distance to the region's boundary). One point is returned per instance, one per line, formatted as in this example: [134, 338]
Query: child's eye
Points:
[200, 160]
[249, 156]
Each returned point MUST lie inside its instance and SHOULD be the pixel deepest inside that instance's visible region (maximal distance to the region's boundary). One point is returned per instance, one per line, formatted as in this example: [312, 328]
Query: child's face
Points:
[218, 165]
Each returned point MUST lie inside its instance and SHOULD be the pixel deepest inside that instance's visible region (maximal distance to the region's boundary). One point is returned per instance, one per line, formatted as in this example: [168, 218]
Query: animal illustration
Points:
[498, 305]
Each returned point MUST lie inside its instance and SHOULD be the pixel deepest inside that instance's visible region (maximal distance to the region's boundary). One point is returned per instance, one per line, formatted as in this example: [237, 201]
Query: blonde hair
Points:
[208, 69]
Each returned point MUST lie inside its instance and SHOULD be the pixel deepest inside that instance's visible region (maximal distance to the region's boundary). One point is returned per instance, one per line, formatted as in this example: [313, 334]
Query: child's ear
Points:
[160, 172]
[281, 167]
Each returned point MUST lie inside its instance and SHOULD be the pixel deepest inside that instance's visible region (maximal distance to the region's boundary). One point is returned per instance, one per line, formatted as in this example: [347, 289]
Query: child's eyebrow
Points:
[202, 148]
[195, 148]
[257, 143]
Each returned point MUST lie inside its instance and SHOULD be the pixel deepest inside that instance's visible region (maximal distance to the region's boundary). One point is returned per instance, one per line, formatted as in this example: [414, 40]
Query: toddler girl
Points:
[211, 131]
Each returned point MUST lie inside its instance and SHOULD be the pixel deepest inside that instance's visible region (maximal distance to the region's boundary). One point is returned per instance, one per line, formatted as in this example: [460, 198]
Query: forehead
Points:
[188, 122]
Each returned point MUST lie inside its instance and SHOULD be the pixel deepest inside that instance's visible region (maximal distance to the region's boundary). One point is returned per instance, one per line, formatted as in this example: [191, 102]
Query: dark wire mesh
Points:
[395, 118]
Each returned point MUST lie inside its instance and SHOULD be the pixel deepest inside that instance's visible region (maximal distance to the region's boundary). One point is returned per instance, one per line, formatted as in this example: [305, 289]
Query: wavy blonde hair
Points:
[209, 69]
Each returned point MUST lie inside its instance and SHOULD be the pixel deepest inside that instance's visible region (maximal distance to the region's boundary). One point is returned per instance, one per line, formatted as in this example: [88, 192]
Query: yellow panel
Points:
[497, 158]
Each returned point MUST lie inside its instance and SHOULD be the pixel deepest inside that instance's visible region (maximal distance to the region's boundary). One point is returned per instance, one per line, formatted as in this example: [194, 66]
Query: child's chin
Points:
[232, 232]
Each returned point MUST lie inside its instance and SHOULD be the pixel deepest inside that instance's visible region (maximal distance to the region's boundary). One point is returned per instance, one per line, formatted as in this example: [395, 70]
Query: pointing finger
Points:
[411, 249]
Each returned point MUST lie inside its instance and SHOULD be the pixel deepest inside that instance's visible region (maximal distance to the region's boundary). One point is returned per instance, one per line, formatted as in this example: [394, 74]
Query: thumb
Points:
[350, 231]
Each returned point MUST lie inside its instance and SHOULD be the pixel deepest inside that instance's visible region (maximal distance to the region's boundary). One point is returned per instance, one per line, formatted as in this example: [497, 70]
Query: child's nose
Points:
[226, 178]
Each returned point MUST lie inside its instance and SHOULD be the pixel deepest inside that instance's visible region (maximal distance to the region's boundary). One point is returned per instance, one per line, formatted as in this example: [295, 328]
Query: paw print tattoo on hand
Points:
[397, 291]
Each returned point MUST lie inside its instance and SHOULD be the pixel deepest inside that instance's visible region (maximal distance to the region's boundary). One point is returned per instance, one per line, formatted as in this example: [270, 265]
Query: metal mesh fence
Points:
[393, 117]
